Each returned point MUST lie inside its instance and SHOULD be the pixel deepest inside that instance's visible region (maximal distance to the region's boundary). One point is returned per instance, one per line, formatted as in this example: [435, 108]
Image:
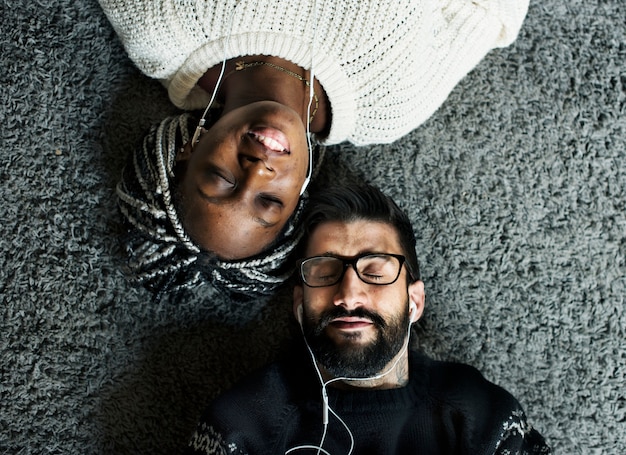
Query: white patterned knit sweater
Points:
[386, 65]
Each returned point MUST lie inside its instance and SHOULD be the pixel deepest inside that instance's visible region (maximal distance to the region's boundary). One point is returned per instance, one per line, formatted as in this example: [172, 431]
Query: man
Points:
[355, 387]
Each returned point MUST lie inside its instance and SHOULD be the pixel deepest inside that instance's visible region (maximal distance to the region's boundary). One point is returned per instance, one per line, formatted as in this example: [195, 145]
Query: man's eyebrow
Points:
[360, 253]
[218, 201]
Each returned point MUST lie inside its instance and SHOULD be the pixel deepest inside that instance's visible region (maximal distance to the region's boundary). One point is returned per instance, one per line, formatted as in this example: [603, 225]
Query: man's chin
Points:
[353, 362]
[354, 349]
[352, 339]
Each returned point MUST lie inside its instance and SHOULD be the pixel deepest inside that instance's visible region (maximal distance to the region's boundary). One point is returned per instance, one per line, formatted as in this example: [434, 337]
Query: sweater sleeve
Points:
[480, 25]
[500, 426]
[234, 424]
[207, 441]
[509, 13]
[519, 437]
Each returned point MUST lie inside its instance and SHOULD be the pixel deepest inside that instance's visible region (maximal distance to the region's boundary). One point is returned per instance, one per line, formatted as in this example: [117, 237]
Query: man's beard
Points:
[352, 360]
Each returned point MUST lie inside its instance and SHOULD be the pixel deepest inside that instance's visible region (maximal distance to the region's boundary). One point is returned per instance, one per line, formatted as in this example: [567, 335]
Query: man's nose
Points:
[351, 291]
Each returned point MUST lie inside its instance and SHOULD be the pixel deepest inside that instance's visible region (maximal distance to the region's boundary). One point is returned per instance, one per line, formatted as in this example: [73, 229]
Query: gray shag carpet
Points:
[516, 186]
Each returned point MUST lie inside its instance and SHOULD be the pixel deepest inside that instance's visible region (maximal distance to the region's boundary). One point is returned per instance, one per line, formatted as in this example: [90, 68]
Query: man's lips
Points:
[351, 323]
[271, 139]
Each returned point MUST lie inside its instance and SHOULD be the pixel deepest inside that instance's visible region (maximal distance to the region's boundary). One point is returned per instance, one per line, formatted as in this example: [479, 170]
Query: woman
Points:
[222, 198]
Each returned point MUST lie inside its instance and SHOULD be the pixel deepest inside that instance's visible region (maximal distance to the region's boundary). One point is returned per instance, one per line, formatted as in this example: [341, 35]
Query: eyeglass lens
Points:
[372, 269]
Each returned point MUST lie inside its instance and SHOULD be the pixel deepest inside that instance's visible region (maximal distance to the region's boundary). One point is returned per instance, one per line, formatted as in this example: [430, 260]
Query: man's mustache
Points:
[340, 312]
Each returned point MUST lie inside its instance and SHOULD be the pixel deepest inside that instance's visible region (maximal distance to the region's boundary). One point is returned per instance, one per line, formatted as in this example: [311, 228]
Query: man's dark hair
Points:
[359, 201]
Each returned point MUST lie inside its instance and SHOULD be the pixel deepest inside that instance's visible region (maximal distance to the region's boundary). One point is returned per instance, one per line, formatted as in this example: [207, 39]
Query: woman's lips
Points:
[272, 139]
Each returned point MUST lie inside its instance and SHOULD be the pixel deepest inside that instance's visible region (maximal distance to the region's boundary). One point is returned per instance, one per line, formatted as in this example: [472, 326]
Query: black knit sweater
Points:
[447, 408]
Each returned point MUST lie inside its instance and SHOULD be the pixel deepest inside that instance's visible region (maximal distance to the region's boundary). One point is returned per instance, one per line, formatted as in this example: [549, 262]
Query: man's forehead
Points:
[353, 237]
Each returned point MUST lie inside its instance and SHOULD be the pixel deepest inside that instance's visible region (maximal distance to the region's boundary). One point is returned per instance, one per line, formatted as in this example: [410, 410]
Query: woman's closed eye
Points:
[221, 178]
[270, 201]
[269, 208]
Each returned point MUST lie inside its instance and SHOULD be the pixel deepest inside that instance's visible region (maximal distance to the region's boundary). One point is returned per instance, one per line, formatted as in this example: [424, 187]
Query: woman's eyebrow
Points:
[263, 222]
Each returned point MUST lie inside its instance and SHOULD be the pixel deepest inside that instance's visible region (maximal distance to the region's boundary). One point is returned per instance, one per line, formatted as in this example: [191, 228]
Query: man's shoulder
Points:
[249, 416]
[444, 372]
[273, 386]
[253, 386]
[458, 383]
[494, 418]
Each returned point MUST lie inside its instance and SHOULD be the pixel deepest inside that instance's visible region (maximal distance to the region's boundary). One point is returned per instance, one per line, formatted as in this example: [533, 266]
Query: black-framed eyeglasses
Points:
[371, 268]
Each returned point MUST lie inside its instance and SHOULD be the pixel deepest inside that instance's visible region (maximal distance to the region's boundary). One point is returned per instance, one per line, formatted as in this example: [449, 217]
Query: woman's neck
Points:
[276, 82]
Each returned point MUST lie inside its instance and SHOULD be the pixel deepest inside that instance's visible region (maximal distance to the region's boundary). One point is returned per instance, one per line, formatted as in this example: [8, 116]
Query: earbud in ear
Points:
[413, 311]
[200, 130]
[299, 316]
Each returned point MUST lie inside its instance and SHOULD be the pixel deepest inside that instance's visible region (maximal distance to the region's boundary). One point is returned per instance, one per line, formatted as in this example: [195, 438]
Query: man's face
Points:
[355, 329]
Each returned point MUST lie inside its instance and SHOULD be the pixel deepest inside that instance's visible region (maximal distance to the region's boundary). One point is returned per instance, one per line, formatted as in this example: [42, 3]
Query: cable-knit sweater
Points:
[446, 408]
[386, 65]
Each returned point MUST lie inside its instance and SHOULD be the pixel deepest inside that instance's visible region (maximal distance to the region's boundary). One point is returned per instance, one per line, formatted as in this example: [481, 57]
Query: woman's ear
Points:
[184, 153]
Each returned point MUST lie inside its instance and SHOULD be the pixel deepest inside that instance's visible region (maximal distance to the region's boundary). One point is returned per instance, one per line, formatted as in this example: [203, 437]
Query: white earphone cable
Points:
[307, 180]
[196, 134]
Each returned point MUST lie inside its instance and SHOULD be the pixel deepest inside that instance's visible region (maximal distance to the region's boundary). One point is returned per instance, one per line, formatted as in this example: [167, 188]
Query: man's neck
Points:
[393, 376]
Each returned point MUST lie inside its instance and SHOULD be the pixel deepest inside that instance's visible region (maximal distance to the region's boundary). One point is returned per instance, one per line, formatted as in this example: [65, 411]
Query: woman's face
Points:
[243, 179]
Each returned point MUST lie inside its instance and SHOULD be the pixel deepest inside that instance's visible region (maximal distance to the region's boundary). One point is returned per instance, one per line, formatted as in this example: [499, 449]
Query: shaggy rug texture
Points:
[516, 187]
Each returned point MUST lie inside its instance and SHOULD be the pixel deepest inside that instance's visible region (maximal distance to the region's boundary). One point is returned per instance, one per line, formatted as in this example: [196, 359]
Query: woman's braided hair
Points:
[162, 257]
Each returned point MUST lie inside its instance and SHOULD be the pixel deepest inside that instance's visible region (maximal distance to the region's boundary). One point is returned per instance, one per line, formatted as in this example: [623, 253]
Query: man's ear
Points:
[418, 297]
[298, 292]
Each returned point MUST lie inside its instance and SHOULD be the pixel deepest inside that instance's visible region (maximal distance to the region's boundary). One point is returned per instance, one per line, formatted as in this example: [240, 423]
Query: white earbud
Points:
[299, 316]
[413, 311]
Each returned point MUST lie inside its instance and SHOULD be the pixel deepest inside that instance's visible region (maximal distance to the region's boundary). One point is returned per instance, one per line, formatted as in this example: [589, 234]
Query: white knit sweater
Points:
[386, 65]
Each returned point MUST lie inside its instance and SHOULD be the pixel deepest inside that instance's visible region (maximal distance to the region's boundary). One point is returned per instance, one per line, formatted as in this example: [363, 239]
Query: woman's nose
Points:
[255, 165]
